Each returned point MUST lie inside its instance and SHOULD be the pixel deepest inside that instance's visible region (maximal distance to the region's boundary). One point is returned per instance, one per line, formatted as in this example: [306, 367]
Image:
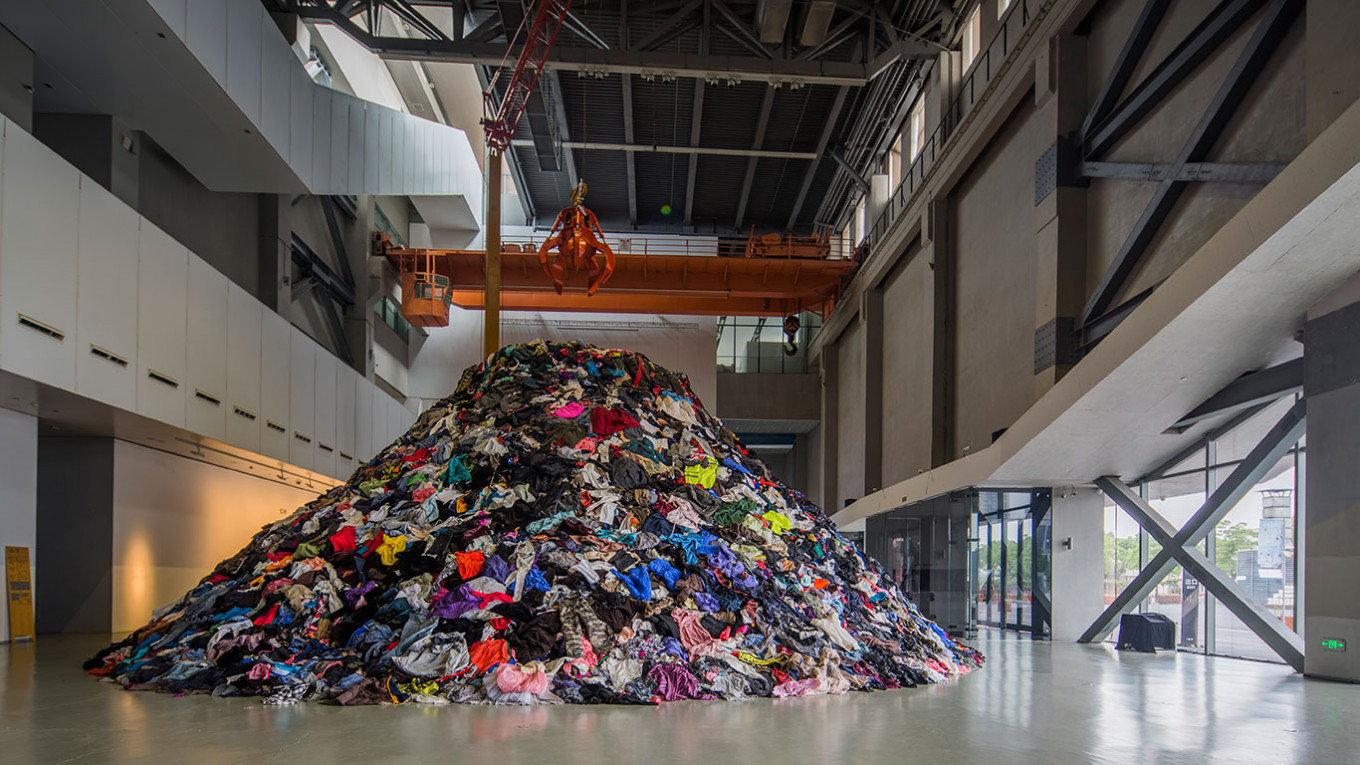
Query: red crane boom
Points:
[501, 118]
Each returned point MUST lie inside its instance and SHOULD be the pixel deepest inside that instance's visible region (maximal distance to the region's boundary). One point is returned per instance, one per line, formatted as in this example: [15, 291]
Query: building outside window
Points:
[972, 37]
[917, 129]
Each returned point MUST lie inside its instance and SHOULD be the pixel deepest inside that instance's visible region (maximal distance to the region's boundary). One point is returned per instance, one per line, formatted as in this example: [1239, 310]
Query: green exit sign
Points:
[1333, 644]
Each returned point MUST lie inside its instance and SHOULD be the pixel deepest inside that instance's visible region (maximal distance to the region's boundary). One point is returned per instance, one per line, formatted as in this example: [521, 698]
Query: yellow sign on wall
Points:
[19, 592]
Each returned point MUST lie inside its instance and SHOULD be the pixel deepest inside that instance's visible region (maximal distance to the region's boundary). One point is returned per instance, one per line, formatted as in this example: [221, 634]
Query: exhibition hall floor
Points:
[1032, 702]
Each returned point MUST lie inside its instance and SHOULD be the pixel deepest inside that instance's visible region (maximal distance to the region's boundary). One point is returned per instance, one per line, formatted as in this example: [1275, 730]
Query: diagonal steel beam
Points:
[766, 102]
[696, 122]
[1268, 33]
[670, 23]
[1249, 390]
[1276, 443]
[741, 27]
[1218, 26]
[1260, 621]
[1128, 60]
[1198, 444]
[337, 240]
[832, 117]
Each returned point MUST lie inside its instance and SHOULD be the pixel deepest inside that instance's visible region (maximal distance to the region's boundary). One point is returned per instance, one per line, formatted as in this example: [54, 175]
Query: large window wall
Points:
[1254, 543]
[751, 344]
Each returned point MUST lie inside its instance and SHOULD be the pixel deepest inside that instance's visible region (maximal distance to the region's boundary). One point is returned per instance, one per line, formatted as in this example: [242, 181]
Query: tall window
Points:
[917, 129]
[972, 37]
[1001, 6]
[895, 163]
[861, 220]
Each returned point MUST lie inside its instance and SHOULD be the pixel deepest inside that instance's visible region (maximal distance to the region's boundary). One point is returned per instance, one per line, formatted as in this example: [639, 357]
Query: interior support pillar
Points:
[1331, 520]
[830, 424]
[936, 247]
[871, 318]
[1060, 210]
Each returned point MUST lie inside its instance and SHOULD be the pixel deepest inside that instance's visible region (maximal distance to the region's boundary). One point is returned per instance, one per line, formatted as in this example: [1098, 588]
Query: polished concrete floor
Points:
[1032, 702]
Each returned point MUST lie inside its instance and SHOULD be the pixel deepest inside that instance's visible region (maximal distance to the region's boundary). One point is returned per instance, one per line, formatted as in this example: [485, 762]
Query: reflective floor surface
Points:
[1032, 702]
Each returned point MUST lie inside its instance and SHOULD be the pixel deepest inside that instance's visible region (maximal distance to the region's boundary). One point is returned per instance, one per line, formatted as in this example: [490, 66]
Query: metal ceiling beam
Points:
[696, 121]
[761, 123]
[1276, 21]
[1247, 391]
[833, 116]
[475, 49]
[772, 18]
[816, 22]
[858, 179]
[659, 149]
[1201, 43]
[739, 25]
[1198, 444]
[628, 120]
[673, 22]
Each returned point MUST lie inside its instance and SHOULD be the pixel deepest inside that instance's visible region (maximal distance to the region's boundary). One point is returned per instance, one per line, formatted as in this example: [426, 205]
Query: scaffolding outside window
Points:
[755, 345]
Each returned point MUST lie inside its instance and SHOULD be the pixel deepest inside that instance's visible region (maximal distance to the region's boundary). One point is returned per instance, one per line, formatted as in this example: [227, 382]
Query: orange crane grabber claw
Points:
[577, 237]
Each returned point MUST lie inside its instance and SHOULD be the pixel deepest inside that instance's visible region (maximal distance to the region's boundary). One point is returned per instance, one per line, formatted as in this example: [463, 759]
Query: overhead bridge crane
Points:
[651, 276]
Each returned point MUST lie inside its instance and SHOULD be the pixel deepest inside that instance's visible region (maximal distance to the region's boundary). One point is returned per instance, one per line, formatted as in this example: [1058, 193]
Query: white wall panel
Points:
[302, 406]
[372, 146]
[355, 160]
[327, 368]
[276, 336]
[378, 413]
[173, 13]
[106, 310]
[364, 441]
[275, 60]
[323, 102]
[162, 290]
[206, 36]
[38, 241]
[244, 415]
[300, 145]
[245, 20]
[346, 455]
[206, 397]
[339, 157]
[387, 142]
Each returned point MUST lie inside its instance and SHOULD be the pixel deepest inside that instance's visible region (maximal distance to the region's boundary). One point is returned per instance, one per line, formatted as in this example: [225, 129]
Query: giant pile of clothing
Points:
[569, 526]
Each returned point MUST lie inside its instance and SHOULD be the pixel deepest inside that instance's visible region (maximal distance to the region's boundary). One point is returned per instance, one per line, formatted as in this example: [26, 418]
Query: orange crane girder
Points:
[649, 284]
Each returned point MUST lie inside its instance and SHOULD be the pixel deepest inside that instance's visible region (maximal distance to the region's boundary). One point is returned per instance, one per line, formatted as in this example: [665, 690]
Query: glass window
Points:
[1254, 544]
[917, 130]
[895, 164]
[861, 220]
[972, 37]
[1001, 6]
[1178, 596]
[1121, 554]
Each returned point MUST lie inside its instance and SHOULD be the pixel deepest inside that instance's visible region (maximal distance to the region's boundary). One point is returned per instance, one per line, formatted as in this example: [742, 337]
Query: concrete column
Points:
[276, 228]
[830, 422]
[936, 246]
[1077, 571]
[871, 317]
[1331, 519]
[1060, 209]
[75, 535]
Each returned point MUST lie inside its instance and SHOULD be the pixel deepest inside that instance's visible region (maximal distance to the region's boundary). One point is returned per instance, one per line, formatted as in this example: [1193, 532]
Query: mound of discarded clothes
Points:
[569, 526]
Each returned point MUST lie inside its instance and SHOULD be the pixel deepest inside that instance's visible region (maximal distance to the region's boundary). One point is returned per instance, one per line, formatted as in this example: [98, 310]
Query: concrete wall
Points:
[850, 417]
[906, 372]
[1269, 126]
[993, 226]
[679, 343]
[974, 265]
[19, 500]
[1077, 573]
[75, 529]
[766, 396]
[174, 519]
[1331, 512]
